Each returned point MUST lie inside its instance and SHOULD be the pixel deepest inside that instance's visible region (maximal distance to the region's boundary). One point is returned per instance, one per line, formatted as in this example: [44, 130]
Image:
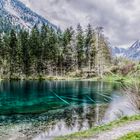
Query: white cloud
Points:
[120, 18]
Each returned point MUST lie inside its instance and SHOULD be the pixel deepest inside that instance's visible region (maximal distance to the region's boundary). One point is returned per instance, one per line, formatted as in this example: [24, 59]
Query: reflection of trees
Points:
[75, 119]
[79, 115]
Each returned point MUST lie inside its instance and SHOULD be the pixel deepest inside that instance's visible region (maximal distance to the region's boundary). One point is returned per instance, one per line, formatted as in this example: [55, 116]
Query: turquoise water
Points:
[36, 110]
[35, 97]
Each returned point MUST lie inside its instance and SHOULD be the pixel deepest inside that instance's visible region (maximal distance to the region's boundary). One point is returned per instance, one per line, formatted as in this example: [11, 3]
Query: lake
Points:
[41, 110]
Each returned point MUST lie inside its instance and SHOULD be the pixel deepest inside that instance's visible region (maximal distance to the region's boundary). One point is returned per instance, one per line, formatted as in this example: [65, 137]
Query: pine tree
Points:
[25, 52]
[36, 50]
[67, 36]
[80, 47]
[88, 47]
[2, 55]
[1, 48]
[93, 52]
[45, 31]
[52, 50]
[13, 52]
[67, 49]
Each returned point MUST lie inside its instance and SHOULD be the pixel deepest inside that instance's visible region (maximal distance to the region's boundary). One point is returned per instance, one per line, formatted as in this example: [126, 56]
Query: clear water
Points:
[36, 97]
[41, 110]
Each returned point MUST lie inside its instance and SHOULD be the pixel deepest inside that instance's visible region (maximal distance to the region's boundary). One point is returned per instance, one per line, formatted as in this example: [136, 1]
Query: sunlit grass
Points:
[120, 78]
[131, 136]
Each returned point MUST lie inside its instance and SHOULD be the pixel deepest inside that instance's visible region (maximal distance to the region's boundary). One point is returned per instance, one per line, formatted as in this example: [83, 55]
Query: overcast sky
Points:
[120, 18]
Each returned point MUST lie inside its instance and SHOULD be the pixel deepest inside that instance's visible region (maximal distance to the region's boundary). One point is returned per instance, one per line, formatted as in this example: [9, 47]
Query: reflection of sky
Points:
[86, 118]
[120, 106]
[37, 97]
[76, 122]
[90, 103]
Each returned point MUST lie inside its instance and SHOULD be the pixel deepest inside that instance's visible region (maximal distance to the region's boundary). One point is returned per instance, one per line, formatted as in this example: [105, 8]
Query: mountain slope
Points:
[14, 14]
[132, 52]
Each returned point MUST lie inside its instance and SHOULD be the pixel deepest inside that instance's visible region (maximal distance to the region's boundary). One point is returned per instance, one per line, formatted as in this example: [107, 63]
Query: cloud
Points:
[120, 18]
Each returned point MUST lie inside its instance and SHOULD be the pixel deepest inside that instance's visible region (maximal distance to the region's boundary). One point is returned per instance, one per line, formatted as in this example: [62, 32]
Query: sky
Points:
[120, 18]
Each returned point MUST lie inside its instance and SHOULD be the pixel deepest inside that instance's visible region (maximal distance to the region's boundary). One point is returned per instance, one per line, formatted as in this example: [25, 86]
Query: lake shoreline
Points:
[99, 129]
[105, 78]
[57, 78]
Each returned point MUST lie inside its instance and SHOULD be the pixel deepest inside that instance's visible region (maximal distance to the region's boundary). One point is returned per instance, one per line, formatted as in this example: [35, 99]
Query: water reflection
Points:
[36, 97]
[77, 119]
[127, 104]
[42, 110]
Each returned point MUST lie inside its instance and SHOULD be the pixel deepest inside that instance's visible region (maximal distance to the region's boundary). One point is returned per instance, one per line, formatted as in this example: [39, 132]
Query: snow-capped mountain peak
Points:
[15, 13]
[136, 45]
[133, 52]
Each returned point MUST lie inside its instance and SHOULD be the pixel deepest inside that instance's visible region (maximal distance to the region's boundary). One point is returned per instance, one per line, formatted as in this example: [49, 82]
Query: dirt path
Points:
[118, 132]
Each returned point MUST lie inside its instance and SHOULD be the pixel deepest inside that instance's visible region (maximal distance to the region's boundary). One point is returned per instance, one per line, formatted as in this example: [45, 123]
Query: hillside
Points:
[14, 14]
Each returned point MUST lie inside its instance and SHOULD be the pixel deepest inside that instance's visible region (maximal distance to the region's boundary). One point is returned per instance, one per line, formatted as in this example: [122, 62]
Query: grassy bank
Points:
[93, 131]
[131, 136]
[120, 78]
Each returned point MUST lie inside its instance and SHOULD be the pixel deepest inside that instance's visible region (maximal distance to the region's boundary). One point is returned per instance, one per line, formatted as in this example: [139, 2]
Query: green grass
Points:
[131, 136]
[93, 131]
[120, 78]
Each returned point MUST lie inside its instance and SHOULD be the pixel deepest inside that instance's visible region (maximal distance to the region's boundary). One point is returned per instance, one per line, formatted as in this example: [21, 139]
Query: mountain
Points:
[118, 51]
[14, 14]
[133, 52]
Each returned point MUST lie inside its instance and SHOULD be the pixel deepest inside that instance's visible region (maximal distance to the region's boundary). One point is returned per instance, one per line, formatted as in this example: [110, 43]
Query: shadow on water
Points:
[42, 110]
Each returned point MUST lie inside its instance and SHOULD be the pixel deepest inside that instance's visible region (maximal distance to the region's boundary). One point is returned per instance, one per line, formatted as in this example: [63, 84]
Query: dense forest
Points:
[49, 52]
